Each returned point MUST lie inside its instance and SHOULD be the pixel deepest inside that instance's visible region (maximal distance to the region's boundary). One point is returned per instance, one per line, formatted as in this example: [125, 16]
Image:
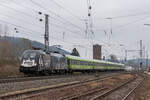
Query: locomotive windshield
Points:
[29, 54]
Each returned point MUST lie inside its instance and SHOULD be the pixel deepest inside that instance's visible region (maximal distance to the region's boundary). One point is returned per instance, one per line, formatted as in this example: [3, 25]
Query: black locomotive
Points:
[38, 62]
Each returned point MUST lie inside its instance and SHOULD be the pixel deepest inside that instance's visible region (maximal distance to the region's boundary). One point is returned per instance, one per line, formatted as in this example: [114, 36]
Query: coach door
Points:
[41, 64]
[46, 59]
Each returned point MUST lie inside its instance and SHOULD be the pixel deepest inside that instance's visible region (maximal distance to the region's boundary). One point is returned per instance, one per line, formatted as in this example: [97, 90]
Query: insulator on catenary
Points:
[90, 7]
[40, 13]
[41, 19]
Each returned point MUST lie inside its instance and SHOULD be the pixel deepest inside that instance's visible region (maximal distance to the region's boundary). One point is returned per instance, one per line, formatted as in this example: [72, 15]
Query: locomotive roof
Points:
[91, 60]
[38, 51]
[57, 55]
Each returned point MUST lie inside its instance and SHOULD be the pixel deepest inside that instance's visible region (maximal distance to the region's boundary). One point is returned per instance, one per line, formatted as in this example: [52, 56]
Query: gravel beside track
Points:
[67, 92]
[101, 87]
[13, 86]
[143, 90]
[8, 87]
[25, 78]
[122, 91]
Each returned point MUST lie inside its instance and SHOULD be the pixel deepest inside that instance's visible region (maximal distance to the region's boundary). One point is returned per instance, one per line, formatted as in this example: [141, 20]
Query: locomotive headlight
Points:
[34, 64]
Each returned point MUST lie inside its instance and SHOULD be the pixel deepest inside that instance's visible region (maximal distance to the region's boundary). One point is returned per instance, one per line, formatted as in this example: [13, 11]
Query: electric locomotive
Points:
[34, 61]
[38, 62]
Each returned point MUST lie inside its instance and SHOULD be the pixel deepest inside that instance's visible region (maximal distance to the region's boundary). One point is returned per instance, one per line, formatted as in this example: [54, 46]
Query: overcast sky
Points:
[67, 17]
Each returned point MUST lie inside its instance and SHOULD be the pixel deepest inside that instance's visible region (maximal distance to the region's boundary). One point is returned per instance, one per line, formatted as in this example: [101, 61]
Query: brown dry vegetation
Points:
[8, 60]
[9, 56]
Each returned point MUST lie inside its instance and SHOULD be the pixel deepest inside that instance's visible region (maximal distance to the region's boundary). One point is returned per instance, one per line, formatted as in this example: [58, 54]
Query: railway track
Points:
[107, 91]
[21, 79]
[125, 97]
[29, 93]
[26, 78]
[82, 96]
[133, 90]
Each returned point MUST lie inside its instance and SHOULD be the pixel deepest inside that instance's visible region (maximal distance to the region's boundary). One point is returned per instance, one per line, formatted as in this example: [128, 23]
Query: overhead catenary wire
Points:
[131, 15]
[23, 6]
[24, 12]
[33, 31]
[41, 6]
[18, 19]
[127, 16]
[53, 24]
[50, 23]
[11, 8]
[16, 25]
[57, 26]
[132, 22]
[42, 27]
[65, 9]
[126, 24]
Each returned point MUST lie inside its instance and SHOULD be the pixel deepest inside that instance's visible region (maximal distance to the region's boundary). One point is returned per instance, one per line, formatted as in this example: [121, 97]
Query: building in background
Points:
[97, 52]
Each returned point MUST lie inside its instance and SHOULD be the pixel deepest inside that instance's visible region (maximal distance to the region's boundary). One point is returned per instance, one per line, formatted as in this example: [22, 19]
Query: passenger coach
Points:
[81, 64]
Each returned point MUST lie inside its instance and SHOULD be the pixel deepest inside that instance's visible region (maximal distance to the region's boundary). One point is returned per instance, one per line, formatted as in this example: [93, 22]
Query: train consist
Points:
[38, 62]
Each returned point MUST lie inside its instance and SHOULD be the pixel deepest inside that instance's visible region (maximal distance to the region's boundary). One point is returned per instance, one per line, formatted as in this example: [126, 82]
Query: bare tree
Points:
[75, 52]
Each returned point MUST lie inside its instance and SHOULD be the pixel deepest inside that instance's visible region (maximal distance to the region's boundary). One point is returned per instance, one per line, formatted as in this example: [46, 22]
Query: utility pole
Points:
[86, 30]
[146, 59]
[64, 35]
[46, 36]
[141, 54]
[90, 17]
[125, 55]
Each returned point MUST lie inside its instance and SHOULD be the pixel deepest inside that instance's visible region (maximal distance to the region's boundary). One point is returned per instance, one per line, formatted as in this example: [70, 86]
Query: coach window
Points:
[74, 62]
[82, 62]
[89, 63]
[71, 61]
[85, 62]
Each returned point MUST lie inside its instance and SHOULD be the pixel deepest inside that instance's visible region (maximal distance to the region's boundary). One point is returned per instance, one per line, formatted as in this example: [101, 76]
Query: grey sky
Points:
[126, 30]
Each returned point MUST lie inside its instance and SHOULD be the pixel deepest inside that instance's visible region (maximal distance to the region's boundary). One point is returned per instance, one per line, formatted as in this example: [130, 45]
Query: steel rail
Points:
[20, 93]
[22, 79]
[138, 85]
[76, 96]
[26, 78]
[79, 95]
[112, 90]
